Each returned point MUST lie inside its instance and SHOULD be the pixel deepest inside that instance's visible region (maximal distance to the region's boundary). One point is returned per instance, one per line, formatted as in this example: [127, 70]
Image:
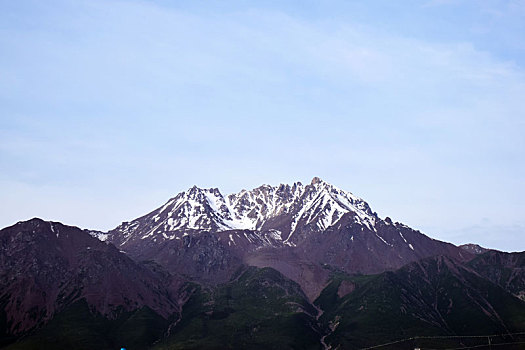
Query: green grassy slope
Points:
[433, 297]
[77, 328]
[261, 309]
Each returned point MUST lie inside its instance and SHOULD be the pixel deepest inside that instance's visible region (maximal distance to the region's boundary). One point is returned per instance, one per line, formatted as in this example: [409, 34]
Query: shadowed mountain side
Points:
[46, 266]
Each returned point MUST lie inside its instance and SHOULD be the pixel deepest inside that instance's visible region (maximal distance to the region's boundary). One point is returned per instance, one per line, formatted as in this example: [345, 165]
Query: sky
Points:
[109, 108]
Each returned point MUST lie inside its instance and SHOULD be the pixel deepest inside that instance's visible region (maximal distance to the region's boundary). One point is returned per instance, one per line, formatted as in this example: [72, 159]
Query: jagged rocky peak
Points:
[316, 180]
[284, 208]
[324, 204]
[255, 207]
[195, 208]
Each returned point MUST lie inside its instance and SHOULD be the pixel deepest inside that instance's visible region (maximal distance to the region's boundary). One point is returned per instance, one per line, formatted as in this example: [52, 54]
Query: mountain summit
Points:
[285, 209]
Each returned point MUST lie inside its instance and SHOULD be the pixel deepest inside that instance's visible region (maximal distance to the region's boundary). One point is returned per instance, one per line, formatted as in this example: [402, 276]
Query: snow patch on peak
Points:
[53, 229]
[283, 208]
[102, 236]
[325, 204]
[319, 204]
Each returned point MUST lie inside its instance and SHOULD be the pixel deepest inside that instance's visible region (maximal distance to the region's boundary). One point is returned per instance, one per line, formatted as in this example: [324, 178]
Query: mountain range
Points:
[289, 266]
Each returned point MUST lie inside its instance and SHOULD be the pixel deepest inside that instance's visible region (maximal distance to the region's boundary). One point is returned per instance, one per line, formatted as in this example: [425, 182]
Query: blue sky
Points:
[109, 108]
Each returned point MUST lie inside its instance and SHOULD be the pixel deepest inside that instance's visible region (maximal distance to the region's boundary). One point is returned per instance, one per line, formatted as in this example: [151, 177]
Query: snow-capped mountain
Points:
[281, 248]
[284, 209]
[296, 229]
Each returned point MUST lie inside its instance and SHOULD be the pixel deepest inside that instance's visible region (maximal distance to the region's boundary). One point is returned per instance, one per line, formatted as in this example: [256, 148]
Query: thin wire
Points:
[444, 337]
[476, 346]
[386, 344]
[468, 336]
